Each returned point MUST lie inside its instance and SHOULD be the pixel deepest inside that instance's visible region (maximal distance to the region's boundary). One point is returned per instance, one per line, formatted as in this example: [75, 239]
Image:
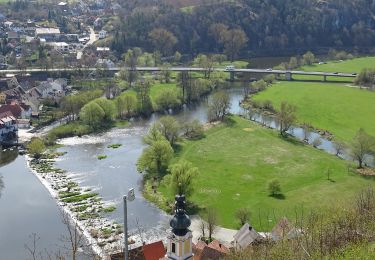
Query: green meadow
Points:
[237, 159]
[338, 108]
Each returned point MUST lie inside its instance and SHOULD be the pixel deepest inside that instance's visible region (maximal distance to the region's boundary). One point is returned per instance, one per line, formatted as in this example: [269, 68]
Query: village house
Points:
[246, 236]
[8, 128]
[49, 34]
[52, 88]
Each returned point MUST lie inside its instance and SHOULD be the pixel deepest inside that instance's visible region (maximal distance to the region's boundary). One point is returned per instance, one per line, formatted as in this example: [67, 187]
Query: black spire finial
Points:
[180, 221]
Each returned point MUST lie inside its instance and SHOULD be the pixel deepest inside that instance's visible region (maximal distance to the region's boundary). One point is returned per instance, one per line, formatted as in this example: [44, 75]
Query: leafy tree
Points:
[169, 128]
[243, 215]
[193, 130]
[286, 117]
[156, 157]
[92, 114]
[293, 63]
[219, 106]
[182, 173]
[308, 58]
[177, 57]
[184, 82]
[153, 135]
[274, 187]
[163, 40]
[234, 40]
[168, 98]
[36, 147]
[361, 145]
[126, 105]
[143, 98]
[108, 108]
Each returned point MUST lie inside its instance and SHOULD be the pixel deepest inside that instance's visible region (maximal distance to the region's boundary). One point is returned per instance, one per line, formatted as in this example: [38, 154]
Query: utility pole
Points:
[129, 197]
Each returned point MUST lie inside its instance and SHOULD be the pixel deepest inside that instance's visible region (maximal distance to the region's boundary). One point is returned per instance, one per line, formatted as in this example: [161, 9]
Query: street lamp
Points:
[129, 197]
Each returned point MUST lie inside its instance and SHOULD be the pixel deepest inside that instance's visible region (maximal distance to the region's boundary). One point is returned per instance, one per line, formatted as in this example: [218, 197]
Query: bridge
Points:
[288, 73]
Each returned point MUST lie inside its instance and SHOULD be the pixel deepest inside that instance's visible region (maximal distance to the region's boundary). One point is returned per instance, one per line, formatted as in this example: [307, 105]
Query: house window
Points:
[173, 248]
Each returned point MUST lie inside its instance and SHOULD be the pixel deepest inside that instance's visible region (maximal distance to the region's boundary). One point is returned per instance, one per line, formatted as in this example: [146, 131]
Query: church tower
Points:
[180, 239]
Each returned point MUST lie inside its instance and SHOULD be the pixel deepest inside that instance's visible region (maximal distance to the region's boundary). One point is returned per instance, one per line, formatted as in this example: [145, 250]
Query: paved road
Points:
[191, 69]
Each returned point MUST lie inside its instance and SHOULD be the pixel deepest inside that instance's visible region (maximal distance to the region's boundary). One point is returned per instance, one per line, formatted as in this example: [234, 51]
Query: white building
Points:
[102, 34]
[8, 128]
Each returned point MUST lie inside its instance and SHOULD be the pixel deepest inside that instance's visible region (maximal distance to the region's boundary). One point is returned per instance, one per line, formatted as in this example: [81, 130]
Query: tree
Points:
[163, 40]
[156, 157]
[167, 99]
[108, 108]
[219, 106]
[206, 62]
[169, 128]
[308, 58]
[243, 215]
[36, 147]
[126, 105]
[233, 40]
[92, 114]
[182, 173]
[153, 135]
[286, 117]
[143, 98]
[193, 130]
[339, 147]
[361, 145]
[184, 81]
[177, 57]
[211, 222]
[306, 132]
[166, 73]
[293, 63]
[274, 187]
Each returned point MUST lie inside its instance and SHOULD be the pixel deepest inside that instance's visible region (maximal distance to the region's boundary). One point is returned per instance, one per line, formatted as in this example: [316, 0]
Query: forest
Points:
[243, 27]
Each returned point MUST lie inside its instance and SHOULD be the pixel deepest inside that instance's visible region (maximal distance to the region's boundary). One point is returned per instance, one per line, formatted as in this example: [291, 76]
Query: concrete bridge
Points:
[287, 73]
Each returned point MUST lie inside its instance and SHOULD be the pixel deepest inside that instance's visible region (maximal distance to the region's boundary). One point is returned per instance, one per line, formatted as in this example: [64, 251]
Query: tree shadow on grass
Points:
[229, 121]
[278, 196]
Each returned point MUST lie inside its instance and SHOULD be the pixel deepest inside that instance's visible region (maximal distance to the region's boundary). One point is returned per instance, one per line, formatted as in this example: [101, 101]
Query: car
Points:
[335, 73]
[229, 68]
[269, 69]
[354, 74]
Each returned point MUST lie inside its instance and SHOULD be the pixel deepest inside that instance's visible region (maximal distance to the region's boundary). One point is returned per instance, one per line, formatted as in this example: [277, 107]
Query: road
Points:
[191, 69]
[92, 39]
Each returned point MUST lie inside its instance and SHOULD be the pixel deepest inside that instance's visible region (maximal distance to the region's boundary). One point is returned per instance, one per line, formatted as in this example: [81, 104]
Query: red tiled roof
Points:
[154, 251]
[15, 109]
[214, 250]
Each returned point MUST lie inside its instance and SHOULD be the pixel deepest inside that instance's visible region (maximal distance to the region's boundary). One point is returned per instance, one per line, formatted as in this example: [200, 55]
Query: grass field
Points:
[347, 66]
[237, 160]
[154, 91]
[334, 107]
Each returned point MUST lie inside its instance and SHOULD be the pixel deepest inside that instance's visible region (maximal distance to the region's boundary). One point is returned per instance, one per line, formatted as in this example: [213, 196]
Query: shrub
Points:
[274, 187]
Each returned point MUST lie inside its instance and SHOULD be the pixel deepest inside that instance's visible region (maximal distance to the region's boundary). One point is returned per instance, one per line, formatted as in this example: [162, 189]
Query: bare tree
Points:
[74, 238]
[211, 222]
[202, 226]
